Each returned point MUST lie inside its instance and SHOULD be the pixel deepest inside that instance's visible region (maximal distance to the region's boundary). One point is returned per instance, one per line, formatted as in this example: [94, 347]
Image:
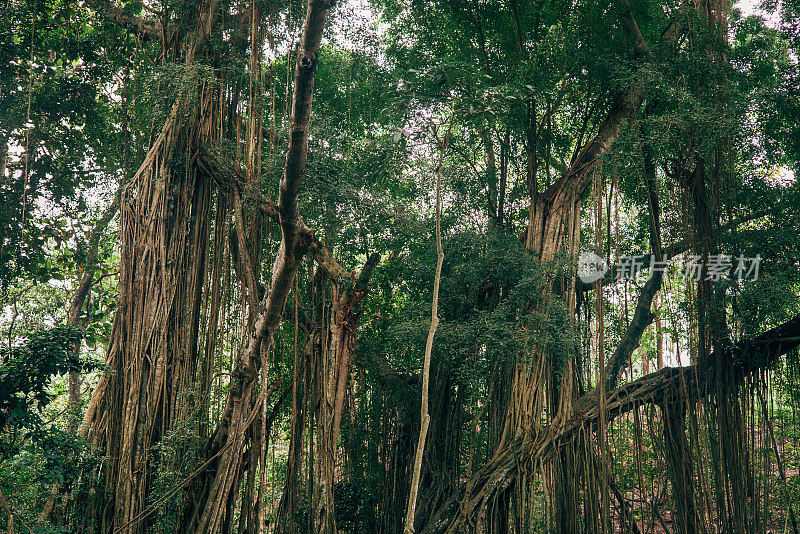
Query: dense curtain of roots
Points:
[556, 442]
[153, 353]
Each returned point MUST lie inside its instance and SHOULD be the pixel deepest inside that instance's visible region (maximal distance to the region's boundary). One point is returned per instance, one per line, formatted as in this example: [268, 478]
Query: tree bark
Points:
[287, 507]
[241, 404]
[425, 417]
[680, 467]
[333, 373]
[668, 386]
[163, 227]
[85, 282]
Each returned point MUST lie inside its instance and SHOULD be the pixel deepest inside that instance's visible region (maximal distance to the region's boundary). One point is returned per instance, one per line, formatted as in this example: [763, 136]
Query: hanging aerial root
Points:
[666, 387]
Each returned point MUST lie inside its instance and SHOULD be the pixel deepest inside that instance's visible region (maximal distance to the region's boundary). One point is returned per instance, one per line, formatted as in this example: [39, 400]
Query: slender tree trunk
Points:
[659, 340]
[497, 512]
[425, 417]
[85, 282]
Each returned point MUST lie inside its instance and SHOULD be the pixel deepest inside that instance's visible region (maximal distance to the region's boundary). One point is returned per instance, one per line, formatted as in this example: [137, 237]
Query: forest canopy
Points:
[396, 266]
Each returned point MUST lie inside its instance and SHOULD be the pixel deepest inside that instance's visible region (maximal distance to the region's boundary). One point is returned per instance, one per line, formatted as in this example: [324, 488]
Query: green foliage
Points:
[54, 63]
[387, 86]
[27, 369]
[35, 453]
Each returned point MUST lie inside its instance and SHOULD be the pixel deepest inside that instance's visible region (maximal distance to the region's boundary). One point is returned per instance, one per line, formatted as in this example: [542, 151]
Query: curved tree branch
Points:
[667, 386]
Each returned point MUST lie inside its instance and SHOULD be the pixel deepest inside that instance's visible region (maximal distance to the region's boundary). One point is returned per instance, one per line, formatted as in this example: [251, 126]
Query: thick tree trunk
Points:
[164, 227]
[554, 231]
[680, 467]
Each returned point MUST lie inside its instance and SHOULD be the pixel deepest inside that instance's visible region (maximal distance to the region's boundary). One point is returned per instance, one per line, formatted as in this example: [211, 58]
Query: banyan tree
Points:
[342, 283]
